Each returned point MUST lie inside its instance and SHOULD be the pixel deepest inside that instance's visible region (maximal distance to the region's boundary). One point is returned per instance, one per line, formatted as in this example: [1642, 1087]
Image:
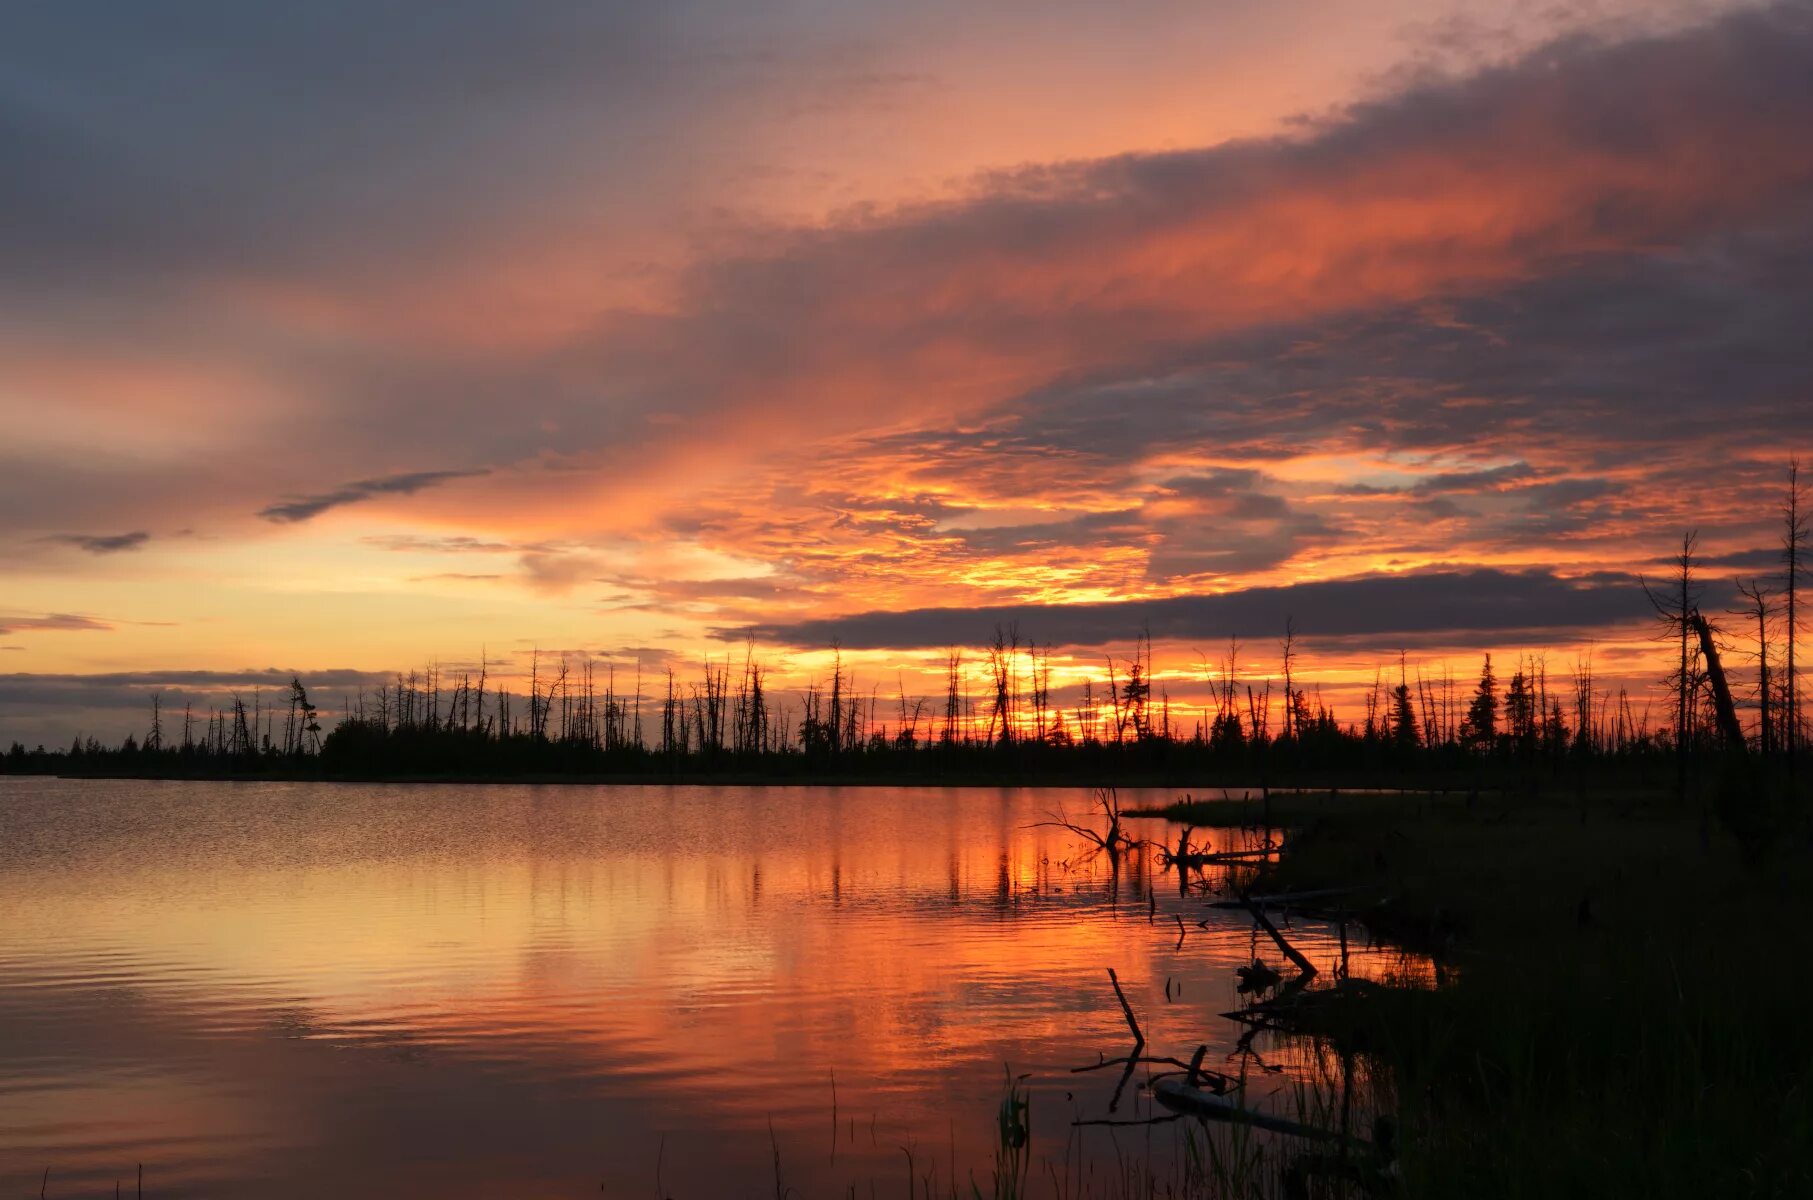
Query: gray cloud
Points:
[1618, 376]
[457, 544]
[1473, 481]
[1601, 363]
[49, 708]
[1378, 607]
[130, 688]
[1767, 558]
[124, 175]
[52, 622]
[111, 543]
[94, 127]
[343, 132]
[303, 508]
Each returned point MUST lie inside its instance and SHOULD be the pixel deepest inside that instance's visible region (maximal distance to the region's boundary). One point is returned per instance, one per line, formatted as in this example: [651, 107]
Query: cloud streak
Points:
[112, 543]
[305, 508]
[1377, 608]
[53, 623]
[127, 688]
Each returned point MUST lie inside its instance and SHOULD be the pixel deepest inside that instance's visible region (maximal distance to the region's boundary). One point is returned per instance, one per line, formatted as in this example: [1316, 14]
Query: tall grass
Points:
[1627, 1010]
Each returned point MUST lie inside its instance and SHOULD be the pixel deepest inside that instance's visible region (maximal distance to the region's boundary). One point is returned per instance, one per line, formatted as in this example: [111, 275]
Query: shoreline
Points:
[1390, 783]
[1609, 1016]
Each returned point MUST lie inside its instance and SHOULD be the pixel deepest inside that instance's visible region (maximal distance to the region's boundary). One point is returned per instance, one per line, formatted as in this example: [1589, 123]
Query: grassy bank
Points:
[1627, 1011]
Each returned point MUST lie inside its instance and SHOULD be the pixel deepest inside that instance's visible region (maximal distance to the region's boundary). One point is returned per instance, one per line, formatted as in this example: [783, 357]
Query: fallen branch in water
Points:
[1291, 952]
[1285, 899]
[1291, 1007]
[1134, 1121]
[1182, 1098]
[1216, 1082]
[1193, 1071]
[1139, 1039]
[1227, 856]
[1193, 1075]
[1115, 842]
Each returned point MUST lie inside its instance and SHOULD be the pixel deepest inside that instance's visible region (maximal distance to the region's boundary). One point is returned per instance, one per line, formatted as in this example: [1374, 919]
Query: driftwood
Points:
[1139, 1039]
[1296, 1002]
[1186, 858]
[1197, 860]
[1194, 1071]
[1257, 977]
[1285, 899]
[1183, 856]
[1307, 968]
[1212, 1081]
[1114, 842]
[1139, 1043]
[1182, 1098]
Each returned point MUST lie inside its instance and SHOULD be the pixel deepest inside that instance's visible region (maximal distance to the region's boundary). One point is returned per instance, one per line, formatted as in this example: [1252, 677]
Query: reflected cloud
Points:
[520, 944]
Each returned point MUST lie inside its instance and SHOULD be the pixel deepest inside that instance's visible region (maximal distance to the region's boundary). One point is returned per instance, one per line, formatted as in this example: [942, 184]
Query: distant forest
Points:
[576, 721]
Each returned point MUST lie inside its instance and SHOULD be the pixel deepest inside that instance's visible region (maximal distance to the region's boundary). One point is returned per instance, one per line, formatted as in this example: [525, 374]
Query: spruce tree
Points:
[1403, 718]
[1479, 729]
[1520, 713]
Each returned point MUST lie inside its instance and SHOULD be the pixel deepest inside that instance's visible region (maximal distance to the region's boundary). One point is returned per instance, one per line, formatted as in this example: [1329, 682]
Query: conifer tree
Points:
[1403, 713]
[1479, 729]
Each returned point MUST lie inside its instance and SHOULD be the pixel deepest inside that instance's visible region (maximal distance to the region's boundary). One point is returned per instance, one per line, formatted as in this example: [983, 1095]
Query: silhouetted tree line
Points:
[999, 717]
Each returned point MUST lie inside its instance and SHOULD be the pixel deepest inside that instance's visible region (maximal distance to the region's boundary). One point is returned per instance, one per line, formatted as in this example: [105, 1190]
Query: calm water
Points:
[306, 990]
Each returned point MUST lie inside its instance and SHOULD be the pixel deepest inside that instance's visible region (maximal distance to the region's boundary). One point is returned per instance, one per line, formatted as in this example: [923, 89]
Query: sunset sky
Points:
[352, 337]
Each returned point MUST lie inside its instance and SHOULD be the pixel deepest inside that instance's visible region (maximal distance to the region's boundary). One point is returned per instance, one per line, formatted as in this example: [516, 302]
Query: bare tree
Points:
[1675, 609]
[1290, 662]
[953, 697]
[1757, 608]
[1794, 549]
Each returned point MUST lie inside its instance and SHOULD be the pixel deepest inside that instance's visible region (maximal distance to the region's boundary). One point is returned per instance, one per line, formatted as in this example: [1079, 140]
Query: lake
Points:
[298, 989]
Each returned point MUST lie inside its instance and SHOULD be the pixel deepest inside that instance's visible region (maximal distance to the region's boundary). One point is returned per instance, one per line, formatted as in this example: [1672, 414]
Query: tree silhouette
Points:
[1479, 728]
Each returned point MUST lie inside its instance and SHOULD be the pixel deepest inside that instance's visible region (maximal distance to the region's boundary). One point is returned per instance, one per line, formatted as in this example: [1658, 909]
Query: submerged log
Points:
[1139, 1038]
[1286, 899]
[1304, 966]
[1180, 1097]
[1301, 1009]
[1257, 977]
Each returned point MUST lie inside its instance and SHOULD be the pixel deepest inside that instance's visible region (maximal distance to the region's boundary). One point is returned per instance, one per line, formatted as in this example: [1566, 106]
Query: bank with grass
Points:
[1622, 1005]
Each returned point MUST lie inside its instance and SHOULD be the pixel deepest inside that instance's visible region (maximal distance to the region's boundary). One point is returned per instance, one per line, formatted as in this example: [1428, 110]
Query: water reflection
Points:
[287, 989]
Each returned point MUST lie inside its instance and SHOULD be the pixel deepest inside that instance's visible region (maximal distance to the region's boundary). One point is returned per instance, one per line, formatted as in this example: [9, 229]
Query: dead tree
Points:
[1731, 733]
[1290, 663]
[1757, 608]
[1794, 548]
[1674, 609]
